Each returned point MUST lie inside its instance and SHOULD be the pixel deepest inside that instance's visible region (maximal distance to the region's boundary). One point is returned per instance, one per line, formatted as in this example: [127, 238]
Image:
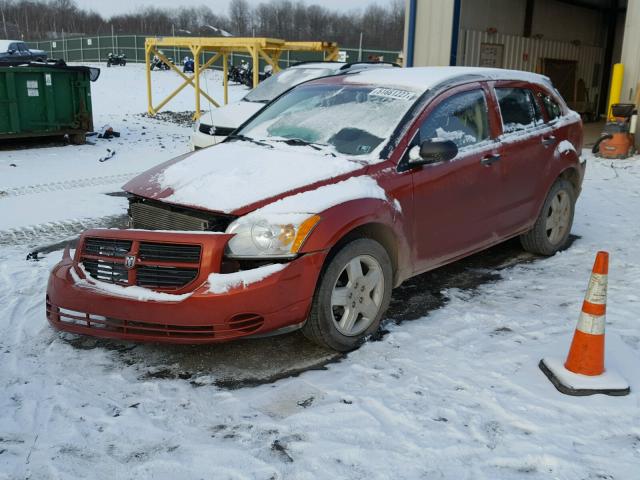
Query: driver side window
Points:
[461, 118]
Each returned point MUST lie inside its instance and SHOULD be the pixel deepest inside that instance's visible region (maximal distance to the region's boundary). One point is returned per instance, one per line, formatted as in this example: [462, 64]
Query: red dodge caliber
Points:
[317, 207]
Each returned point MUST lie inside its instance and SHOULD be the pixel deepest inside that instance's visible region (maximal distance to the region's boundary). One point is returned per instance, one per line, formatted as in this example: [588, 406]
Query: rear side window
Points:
[518, 108]
[551, 106]
[461, 118]
[22, 47]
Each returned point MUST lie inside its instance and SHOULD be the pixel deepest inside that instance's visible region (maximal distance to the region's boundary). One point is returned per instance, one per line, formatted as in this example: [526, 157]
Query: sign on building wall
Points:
[491, 55]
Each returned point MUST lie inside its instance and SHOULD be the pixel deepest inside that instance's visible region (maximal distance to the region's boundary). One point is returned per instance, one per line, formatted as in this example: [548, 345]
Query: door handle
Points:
[489, 159]
[550, 140]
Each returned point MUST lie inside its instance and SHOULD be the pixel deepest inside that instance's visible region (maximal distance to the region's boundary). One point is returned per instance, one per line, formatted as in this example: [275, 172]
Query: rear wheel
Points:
[352, 295]
[551, 231]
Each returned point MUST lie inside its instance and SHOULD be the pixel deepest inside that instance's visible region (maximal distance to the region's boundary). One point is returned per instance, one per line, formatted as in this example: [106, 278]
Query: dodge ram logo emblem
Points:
[130, 261]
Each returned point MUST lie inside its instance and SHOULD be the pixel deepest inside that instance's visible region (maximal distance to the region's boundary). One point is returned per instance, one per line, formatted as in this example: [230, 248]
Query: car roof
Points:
[421, 79]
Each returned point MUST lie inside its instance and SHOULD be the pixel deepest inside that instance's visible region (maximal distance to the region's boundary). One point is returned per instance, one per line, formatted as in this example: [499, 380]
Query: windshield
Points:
[283, 81]
[346, 119]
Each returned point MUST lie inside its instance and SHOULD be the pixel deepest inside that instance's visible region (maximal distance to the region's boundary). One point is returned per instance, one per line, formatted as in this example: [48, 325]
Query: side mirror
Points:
[432, 152]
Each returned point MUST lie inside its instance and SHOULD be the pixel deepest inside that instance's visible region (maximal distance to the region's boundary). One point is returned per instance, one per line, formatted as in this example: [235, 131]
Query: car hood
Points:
[232, 115]
[238, 177]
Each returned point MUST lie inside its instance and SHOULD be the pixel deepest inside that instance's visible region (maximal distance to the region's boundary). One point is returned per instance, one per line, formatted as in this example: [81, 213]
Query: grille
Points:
[149, 217]
[165, 277]
[103, 259]
[169, 252]
[107, 247]
[212, 130]
[106, 271]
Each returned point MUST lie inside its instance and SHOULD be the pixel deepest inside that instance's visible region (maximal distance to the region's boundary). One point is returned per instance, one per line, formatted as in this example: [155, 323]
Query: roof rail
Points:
[351, 64]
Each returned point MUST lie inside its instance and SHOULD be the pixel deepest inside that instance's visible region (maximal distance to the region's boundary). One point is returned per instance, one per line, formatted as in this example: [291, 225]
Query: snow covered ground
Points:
[454, 395]
[59, 179]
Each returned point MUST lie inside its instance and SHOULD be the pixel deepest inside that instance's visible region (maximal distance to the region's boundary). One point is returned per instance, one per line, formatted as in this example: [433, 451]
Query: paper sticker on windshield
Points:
[392, 93]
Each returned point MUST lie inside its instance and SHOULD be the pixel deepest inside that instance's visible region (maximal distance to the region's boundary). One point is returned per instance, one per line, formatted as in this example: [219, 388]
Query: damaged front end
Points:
[162, 284]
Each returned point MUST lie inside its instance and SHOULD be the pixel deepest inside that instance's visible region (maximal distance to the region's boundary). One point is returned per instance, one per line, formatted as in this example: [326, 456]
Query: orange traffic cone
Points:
[583, 372]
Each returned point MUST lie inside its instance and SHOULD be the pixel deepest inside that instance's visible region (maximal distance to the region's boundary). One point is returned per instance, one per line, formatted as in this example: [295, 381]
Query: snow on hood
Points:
[232, 115]
[233, 175]
[324, 197]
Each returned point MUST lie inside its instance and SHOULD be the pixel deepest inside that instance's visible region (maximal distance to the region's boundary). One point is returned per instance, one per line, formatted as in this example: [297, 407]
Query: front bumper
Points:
[75, 304]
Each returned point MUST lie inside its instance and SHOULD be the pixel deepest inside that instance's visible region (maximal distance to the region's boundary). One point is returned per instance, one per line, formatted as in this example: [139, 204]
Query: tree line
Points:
[381, 26]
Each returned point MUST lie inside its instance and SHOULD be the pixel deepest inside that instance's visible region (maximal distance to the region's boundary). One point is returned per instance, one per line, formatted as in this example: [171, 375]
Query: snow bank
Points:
[232, 175]
[223, 282]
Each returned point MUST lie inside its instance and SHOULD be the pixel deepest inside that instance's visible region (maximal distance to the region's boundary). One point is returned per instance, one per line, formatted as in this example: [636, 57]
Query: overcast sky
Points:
[113, 7]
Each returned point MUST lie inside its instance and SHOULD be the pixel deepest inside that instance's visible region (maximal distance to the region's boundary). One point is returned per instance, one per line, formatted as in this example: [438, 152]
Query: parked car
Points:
[314, 210]
[215, 125]
[16, 50]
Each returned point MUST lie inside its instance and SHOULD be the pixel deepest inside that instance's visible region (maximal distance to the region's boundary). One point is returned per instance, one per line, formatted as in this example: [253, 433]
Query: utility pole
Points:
[360, 49]
[173, 32]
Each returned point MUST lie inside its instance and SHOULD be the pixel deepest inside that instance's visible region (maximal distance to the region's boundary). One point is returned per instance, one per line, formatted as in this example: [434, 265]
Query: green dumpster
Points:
[46, 100]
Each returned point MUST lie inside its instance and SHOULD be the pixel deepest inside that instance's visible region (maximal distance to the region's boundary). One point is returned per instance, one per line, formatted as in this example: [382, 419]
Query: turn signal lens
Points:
[303, 232]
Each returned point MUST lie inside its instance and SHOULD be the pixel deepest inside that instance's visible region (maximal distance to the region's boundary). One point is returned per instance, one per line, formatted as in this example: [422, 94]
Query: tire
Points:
[551, 231]
[108, 64]
[344, 291]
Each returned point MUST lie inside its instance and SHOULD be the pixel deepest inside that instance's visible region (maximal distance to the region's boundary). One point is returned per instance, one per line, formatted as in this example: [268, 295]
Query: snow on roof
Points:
[325, 65]
[425, 78]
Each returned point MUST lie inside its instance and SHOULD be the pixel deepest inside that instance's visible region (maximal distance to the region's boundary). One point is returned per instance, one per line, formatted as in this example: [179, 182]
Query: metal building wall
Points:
[522, 53]
[433, 32]
[630, 55]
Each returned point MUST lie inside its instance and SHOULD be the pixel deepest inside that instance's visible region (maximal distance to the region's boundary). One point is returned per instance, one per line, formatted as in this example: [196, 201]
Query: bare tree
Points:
[382, 26]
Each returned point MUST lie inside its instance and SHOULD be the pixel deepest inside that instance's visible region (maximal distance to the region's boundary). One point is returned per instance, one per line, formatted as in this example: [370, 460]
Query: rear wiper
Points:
[244, 138]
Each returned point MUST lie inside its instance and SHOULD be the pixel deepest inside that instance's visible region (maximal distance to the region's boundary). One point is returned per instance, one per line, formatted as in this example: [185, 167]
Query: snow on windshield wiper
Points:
[244, 138]
[298, 142]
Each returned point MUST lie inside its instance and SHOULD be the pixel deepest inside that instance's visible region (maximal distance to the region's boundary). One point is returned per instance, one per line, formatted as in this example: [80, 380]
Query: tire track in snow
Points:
[58, 230]
[67, 185]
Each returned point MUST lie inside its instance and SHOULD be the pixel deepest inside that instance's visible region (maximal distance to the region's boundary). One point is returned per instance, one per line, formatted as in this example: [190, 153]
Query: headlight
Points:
[278, 236]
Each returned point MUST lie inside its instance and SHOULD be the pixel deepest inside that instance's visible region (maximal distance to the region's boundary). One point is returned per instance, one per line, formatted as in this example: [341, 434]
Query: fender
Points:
[564, 164]
[338, 221]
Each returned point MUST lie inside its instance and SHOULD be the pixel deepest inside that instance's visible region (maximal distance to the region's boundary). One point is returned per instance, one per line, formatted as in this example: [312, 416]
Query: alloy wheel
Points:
[558, 217]
[357, 295]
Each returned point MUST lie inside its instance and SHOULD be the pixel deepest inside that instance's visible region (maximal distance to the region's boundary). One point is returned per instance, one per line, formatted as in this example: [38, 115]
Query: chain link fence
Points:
[97, 48]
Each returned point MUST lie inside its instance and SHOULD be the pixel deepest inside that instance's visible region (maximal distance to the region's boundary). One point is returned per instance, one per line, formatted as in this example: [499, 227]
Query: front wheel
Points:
[352, 295]
[551, 231]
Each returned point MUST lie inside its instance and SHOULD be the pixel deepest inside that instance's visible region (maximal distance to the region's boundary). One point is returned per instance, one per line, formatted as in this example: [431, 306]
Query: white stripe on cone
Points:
[591, 324]
[597, 289]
